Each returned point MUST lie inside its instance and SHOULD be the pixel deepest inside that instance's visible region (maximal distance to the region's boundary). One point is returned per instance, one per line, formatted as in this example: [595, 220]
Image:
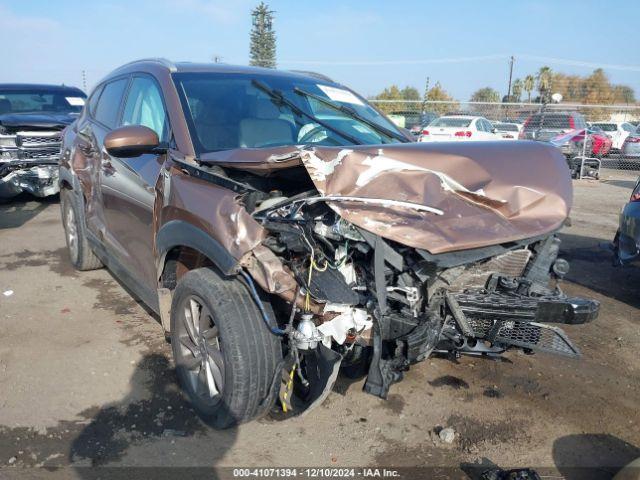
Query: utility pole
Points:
[511, 60]
[424, 97]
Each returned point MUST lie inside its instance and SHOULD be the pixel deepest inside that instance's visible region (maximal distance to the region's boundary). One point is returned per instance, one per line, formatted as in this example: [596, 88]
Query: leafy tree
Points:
[389, 95]
[394, 93]
[528, 85]
[486, 94]
[439, 94]
[410, 93]
[262, 51]
[624, 94]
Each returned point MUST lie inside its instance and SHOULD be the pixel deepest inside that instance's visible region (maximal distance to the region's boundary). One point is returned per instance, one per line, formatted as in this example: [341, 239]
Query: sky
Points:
[463, 44]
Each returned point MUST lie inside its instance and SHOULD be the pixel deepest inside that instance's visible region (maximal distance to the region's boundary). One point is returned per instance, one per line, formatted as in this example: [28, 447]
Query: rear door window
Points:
[109, 103]
[93, 101]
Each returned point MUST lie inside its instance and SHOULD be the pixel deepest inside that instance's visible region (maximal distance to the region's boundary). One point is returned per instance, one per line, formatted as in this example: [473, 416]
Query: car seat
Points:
[266, 127]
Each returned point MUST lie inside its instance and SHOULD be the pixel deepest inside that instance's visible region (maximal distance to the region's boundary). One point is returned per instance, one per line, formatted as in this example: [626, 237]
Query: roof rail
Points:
[163, 61]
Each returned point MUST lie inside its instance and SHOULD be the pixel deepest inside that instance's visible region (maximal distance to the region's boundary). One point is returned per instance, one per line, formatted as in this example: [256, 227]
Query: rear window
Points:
[506, 127]
[607, 127]
[451, 122]
[109, 102]
[549, 120]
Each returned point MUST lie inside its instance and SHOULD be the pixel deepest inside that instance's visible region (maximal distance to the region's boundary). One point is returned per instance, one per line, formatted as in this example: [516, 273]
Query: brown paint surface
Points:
[489, 192]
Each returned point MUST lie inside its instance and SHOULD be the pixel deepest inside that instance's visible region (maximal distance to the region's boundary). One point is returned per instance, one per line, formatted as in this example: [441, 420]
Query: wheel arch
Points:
[181, 245]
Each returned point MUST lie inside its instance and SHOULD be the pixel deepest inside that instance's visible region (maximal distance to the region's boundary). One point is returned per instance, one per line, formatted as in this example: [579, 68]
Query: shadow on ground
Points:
[621, 183]
[155, 410]
[592, 267]
[19, 210]
[592, 456]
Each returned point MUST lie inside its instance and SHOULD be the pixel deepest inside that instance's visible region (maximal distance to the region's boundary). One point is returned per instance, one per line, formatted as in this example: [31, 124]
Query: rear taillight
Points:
[425, 132]
[572, 123]
[521, 135]
[632, 140]
[463, 134]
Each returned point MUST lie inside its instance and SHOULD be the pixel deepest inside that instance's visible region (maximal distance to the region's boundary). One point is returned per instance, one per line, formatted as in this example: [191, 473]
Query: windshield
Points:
[37, 100]
[451, 122]
[228, 111]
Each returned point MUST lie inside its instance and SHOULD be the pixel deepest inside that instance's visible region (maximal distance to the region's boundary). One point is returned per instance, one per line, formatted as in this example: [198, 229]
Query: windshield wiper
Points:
[353, 114]
[277, 96]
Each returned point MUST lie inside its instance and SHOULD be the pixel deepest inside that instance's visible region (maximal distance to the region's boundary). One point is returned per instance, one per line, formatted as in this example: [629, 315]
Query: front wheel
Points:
[226, 357]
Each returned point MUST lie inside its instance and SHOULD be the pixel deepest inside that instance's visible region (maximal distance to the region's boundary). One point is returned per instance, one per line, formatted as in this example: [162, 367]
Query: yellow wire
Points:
[289, 387]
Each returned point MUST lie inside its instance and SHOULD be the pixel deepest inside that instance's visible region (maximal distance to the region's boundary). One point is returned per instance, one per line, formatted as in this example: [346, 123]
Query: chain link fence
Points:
[605, 135]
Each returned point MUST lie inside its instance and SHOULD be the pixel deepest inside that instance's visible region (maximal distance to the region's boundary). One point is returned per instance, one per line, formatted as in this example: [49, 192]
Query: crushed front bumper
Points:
[38, 180]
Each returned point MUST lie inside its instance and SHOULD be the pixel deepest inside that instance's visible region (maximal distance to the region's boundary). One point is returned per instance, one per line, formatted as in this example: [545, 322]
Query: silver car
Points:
[627, 240]
[631, 145]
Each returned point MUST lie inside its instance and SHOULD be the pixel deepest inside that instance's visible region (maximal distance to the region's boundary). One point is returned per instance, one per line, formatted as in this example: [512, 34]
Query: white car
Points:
[451, 128]
[616, 131]
[508, 130]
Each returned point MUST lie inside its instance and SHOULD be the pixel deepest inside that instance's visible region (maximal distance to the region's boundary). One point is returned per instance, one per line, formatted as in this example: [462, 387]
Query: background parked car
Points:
[32, 118]
[571, 143]
[626, 243]
[617, 131]
[631, 145]
[425, 119]
[600, 142]
[508, 130]
[547, 125]
[459, 128]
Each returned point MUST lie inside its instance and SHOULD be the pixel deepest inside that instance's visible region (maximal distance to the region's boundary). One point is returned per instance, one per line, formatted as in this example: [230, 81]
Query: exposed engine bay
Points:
[378, 302]
[347, 297]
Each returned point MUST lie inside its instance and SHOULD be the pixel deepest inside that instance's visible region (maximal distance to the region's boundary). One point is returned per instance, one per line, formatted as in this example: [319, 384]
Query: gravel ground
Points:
[86, 378]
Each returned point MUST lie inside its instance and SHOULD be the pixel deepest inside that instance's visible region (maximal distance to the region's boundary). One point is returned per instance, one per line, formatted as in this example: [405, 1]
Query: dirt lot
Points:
[86, 378]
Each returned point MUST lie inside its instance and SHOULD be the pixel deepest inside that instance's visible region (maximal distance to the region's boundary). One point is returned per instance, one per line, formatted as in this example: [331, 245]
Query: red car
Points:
[600, 142]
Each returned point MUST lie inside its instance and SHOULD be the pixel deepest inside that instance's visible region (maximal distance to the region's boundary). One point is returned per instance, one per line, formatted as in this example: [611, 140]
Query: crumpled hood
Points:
[477, 193]
[44, 120]
[481, 194]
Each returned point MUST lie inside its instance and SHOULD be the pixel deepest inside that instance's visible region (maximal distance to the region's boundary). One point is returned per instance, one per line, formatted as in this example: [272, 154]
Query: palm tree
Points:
[516, 89]
[528, 85]
[544, 82]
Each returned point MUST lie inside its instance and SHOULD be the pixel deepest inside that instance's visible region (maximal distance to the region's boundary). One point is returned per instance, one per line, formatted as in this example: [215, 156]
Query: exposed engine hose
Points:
[256, 298]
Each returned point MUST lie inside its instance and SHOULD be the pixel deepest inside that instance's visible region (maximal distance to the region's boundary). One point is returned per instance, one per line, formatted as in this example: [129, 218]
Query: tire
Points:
[233, 348]
[80, 253]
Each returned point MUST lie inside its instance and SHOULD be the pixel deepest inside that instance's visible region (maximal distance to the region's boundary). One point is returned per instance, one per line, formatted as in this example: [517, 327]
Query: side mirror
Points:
[131, 141]
[494, 130]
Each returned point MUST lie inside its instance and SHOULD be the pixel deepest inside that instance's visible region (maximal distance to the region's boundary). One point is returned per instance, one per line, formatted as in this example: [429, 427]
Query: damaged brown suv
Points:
[283, 229]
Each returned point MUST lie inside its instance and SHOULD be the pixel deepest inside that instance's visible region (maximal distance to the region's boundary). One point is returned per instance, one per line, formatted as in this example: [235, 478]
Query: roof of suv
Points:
[191, 67]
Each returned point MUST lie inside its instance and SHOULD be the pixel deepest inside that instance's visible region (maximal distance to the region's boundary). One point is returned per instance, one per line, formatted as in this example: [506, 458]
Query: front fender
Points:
[177, 233]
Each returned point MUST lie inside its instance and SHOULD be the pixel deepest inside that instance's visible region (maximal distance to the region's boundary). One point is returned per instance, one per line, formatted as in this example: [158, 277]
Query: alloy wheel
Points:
[199, 351]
